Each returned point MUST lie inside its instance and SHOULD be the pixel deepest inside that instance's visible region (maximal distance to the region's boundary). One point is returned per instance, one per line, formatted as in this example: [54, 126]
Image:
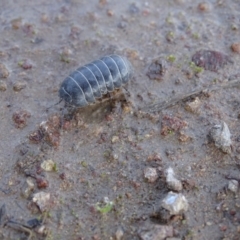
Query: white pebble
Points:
[175, 203]
[172, 182]
[233, 185]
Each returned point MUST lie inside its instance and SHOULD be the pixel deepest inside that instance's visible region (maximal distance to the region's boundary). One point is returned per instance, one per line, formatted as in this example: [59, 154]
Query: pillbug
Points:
[93, 80]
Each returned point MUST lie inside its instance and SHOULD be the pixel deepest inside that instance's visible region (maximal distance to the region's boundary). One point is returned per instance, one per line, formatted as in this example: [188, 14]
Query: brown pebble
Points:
[75, 32]
[189, 184]
[157, 69]
[193, 105]
[210, 60]
[67, 125]
[204, 7]
[20, 118]
[128, 195]
[110, 13]
[136, 185]
[16, 23]
[131, 53]
[25, 64]
[36, 137]
[3, 86]
[183, 137]
[102, 2]
[3, 54]
[51, 130]
[96, 237]
[236, 47]
[65, 54]
[172, 124]
[238, 149]
[29, 29]
[62, 176]
[44, 18]
[154, 157]
[145, 12]
[42, 183]
[66, 51]
[232, 212]
[109, 118]
[3, 71]
[223, 227]
[18, 86]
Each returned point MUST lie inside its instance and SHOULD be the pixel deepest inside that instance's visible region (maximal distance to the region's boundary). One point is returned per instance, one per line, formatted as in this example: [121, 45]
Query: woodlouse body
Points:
[93, 80]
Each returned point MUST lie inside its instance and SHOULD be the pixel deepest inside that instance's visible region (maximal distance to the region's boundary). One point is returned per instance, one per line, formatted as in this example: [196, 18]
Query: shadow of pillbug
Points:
[93, 80]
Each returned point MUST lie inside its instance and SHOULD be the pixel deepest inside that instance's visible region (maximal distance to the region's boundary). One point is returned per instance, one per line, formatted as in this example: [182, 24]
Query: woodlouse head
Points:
[63, 94]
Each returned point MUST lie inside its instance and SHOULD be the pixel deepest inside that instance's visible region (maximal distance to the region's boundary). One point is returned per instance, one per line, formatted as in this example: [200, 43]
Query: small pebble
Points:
[102, 2]
[154, 157]
[193, 106]
[119, 233]
[20, 118]
[36, 137]
[210, 60]
[48, 165]
[41, 230]
[171, 124]
[172, 182]
[115, 139]
[173, 238]
[42, 182]
[42, 199]
[74, 32]
[44, 18]
[16, 23]
[238, 149]
[126, 109]
[175, 203]
[122, 24]
[25, 64]
[3, 71]
[221, 136]
[29, 29]
[51, 130]
[233, 185]
[3, 86]
[183, 137]
[204, 7]
[18, 86]
[157, 69]
[27, 188]
[133, 8]
[65, 54]
[236, 47]
[150, 174]
[209, 223]
[110, 12]
[155, 232]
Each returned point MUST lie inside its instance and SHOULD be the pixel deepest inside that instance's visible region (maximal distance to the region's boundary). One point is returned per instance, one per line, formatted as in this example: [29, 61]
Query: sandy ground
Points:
[107, 178]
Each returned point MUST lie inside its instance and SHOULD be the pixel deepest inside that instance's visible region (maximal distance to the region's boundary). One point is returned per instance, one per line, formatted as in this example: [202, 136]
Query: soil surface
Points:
[107, 175]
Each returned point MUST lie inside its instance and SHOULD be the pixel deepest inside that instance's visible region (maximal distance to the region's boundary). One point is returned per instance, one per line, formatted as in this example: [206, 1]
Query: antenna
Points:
[54, 104]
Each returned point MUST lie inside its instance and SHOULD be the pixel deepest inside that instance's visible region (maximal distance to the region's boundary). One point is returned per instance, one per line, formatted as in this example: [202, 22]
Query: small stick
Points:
[157, 107]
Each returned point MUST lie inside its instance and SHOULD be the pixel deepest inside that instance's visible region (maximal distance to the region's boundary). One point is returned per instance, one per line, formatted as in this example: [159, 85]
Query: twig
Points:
[156, 107]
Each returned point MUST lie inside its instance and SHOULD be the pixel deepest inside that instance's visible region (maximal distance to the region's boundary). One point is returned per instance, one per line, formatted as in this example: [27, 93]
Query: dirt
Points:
[96, 188]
